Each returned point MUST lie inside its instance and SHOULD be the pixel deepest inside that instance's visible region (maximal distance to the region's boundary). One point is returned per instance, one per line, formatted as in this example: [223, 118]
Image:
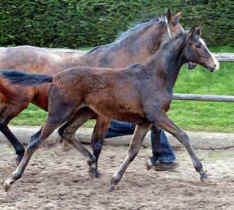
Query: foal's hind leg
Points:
[133, 150]
[101, 127]
[67, 132]
[165, 123]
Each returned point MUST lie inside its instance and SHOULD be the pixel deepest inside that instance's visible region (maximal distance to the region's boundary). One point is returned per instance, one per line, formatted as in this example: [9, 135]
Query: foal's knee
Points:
[35, 140]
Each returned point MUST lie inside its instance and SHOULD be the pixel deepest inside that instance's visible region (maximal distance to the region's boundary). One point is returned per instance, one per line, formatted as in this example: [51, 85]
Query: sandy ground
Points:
[57, 179]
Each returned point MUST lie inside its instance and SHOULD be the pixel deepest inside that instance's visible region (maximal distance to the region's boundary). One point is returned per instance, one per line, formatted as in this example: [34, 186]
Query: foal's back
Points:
[116, 92]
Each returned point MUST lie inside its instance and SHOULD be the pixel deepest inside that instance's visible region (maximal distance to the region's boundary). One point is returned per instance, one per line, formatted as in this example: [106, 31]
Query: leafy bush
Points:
[75, 23]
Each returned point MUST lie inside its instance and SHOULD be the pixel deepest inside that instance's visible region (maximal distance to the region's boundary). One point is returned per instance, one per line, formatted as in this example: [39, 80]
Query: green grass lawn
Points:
[189, 115]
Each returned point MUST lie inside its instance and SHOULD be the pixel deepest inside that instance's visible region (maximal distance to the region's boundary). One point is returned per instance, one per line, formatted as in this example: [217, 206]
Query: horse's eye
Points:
[198, 45]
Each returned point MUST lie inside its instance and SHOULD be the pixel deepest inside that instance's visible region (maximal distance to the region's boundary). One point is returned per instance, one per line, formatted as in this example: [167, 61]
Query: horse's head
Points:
[174, 28]
[174, 23]
[196, 51]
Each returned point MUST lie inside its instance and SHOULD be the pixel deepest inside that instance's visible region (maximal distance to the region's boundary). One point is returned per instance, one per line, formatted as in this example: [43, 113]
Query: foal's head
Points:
[196, 51]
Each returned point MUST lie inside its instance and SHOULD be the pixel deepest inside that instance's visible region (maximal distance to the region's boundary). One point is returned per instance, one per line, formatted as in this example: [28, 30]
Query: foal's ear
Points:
[199, 30]
[196, 33]
[191, 33]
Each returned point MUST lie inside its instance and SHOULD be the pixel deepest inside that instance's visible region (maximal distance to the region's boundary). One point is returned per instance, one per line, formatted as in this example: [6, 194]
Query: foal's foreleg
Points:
[165, 123]
[133, 150]
[156, 147]
[101, 127]
[35, 142]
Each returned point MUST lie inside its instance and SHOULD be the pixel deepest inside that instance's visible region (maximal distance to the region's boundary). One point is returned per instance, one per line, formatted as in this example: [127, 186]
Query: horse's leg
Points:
[10, 110]
[101, 127]
[134, 148]
[165, 123]
[19, 148]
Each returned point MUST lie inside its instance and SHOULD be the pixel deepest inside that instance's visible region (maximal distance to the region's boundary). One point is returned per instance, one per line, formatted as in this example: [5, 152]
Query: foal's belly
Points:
[121, 113]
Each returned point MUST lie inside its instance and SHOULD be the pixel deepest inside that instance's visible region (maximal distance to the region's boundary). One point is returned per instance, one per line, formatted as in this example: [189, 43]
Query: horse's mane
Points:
[168, 42]
[132, 30]
[138, 27]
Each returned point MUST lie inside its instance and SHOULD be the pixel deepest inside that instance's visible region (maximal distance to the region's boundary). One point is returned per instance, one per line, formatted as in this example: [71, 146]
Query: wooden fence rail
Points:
[196, 97]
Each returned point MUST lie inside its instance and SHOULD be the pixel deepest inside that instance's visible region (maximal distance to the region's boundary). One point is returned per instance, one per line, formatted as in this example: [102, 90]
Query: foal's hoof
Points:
[112, 188]
[204, 178]
[149, 164]
[7, 184]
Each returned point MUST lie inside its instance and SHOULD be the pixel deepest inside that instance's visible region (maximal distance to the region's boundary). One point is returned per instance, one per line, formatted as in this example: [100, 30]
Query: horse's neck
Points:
[134, 49]
[167, 62]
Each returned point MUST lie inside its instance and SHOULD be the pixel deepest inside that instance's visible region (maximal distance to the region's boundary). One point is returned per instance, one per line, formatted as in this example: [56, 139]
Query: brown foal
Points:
[134, 46]
[140, 94]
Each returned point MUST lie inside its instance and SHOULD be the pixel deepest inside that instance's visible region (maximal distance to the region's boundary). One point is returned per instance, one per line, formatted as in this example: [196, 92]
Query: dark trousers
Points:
[166, 154]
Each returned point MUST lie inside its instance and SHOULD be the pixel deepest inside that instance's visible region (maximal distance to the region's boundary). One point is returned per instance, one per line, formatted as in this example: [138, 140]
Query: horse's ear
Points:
[169, 15]
[176, 18]
[178, 15]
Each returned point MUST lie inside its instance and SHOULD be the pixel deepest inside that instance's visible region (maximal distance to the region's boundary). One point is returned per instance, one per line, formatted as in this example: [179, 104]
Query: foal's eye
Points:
[198, 45]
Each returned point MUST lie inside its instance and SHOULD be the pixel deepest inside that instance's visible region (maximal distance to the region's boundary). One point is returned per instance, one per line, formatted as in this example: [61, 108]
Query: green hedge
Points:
[76, 23]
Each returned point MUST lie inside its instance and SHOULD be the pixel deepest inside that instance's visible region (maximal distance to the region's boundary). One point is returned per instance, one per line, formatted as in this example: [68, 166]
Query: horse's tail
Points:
[25, 79]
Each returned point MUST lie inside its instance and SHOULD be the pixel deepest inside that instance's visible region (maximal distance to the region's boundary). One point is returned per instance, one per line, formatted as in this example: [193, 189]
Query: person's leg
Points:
[163, 157]
[118, 128]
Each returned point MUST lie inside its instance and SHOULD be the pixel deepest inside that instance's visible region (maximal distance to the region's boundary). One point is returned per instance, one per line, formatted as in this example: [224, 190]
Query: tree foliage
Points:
[75, 23]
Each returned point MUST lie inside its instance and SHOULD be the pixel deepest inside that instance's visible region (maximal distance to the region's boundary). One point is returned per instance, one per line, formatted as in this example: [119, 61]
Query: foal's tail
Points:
[26, 79]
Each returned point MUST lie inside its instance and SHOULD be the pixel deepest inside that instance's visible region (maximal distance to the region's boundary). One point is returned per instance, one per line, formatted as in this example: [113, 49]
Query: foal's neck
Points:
[168, 61]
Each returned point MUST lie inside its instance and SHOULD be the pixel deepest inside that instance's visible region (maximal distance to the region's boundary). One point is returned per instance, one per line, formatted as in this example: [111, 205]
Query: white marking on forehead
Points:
[215, 61]
[212, 55]
[202, 41]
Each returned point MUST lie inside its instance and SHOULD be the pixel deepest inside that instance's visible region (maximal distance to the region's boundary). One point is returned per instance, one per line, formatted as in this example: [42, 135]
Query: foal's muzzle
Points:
[191, 65]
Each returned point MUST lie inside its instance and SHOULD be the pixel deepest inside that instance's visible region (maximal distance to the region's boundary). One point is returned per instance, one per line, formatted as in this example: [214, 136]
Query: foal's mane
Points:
[132, 31]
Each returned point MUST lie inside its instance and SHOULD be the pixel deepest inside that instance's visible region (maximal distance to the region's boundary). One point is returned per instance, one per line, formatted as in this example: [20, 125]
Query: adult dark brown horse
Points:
[133, 46]
[145, 100]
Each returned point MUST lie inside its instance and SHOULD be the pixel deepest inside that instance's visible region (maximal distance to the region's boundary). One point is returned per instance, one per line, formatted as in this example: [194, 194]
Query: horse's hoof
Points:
[149, 164]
